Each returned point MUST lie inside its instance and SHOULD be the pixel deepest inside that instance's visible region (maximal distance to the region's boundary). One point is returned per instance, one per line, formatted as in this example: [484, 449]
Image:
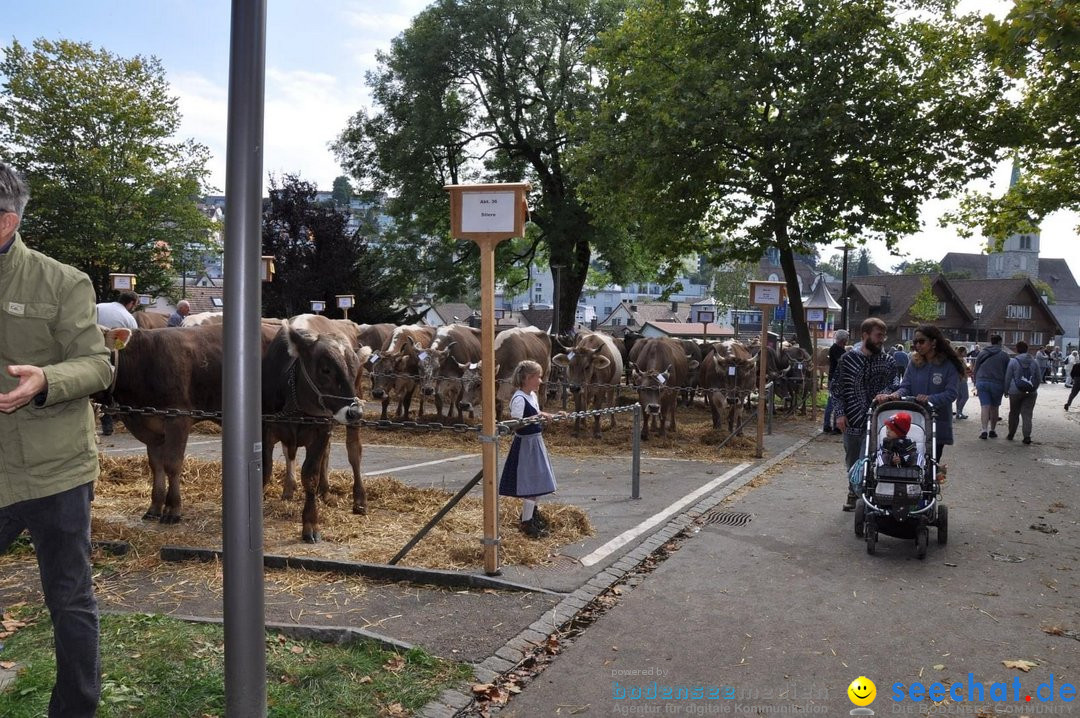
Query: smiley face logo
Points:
[862, 691]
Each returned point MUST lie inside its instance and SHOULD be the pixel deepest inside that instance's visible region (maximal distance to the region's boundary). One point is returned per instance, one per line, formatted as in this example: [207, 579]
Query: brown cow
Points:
[659, 369]
[310, 374]
[454, 346]
[368, 339]
[151, 320]
[395, 370]
[512, 346]
[727, 376]
[169, 368]
[291, 436]
[796, 378]
[593, 369]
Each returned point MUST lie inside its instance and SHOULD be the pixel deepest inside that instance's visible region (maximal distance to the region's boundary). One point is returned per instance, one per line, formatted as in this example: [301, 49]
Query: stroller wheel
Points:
[922, 537]
[942, 524]
[871, 536]
[860, 518]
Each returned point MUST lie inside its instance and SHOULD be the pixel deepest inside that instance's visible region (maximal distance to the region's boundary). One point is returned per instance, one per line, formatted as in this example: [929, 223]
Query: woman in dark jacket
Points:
[932, 378]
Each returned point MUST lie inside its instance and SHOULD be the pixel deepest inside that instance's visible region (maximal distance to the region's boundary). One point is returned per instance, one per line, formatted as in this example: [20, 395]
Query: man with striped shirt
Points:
[864, 375]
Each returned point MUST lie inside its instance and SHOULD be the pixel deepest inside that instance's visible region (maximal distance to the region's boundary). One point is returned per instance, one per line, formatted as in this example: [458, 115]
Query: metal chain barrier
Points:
[504, 428]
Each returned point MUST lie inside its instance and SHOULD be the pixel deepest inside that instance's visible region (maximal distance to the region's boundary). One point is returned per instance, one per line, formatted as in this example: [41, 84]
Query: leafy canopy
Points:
[481, 91]
[1037, 45]
[111, 189]
[730, 127]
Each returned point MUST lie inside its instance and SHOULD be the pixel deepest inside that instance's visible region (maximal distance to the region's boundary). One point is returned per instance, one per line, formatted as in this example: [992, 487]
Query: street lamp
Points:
[978, 313]
[843, 286]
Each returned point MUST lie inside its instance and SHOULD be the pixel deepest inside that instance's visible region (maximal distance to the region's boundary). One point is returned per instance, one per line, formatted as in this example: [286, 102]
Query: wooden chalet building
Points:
[891, 297]
[1010, 307]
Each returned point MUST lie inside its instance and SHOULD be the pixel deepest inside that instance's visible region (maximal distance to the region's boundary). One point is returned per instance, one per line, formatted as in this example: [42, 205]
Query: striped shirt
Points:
[859, 378]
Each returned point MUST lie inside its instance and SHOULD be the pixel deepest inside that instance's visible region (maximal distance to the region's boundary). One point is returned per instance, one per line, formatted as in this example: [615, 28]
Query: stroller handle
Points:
[926, 404]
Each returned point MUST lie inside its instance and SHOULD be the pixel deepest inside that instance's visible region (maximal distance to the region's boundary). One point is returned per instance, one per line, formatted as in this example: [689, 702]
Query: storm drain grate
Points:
[559, 564]
[726, 518]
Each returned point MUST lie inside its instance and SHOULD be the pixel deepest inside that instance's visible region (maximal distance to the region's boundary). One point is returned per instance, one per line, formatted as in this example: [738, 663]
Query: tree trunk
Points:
[791, 277]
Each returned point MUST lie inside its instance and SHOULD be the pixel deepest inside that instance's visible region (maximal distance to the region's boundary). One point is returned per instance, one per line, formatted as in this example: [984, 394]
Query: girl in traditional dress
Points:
[527, 472]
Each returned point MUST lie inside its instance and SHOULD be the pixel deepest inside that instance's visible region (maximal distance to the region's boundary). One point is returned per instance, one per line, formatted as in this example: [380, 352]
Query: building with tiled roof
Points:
[891, 296]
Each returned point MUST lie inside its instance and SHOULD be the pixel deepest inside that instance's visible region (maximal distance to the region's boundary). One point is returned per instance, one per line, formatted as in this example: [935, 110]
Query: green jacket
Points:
[48, 319]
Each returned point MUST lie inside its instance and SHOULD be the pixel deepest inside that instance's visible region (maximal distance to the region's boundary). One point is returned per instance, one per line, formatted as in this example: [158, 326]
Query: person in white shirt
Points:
[114, 315]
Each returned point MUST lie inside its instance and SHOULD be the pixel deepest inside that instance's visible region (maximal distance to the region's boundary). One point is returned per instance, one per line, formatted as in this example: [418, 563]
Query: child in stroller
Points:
[896, 448]
[897, 484]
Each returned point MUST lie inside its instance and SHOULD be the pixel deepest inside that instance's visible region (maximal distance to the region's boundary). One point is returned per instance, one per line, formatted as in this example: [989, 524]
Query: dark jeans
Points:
[59, 527]
[1073, 392]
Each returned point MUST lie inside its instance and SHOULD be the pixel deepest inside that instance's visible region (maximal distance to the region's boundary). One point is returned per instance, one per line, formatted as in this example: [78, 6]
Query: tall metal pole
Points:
[763, 362]
[242, 528]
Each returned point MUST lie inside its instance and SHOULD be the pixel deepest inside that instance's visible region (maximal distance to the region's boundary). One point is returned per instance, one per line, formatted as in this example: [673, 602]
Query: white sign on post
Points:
[768, 294]
[815, 315]
[487, 211]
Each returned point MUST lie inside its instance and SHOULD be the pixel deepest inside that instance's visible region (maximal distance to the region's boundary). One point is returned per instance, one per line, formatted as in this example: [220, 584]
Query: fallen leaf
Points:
[297, 649]
[395, 664]
[7, 665]
[939, 667]
[364, 679]
[1021, 665]
[483, 687]
[395, 710]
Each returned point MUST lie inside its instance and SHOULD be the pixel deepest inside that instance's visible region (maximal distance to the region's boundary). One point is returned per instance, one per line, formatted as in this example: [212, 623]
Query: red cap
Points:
[899, 422]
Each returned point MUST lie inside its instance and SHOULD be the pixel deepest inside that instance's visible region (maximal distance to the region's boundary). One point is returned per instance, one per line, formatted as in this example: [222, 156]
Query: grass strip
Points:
[155, 666]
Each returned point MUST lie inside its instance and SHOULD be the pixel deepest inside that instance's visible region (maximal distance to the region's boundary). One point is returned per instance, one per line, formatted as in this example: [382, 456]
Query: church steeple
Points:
[1019, 253]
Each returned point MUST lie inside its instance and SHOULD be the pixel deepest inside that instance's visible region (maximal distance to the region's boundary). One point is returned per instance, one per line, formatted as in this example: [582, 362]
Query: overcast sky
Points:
[317, 54]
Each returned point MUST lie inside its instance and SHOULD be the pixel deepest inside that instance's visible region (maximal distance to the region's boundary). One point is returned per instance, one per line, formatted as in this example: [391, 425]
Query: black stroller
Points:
[899, 501]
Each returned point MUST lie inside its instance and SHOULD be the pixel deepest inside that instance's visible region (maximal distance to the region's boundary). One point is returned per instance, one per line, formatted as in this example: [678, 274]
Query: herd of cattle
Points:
[314, 367]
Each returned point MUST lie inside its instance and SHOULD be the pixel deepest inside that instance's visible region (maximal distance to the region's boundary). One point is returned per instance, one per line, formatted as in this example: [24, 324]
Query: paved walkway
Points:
[781, 614]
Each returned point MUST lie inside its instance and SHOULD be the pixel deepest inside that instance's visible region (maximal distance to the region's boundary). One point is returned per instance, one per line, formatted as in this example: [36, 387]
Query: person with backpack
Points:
[1022, 377]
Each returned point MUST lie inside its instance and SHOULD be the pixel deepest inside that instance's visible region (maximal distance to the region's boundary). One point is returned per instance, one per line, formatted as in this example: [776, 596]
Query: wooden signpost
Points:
[488, 214]
[765, 295]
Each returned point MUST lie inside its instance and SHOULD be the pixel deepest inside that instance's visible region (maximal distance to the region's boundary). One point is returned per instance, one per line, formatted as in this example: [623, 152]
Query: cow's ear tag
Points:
[474, 366]
[661, 378]
[799, 366]
[374, 359]
[570, 355]
[423, 356]
[731, 371]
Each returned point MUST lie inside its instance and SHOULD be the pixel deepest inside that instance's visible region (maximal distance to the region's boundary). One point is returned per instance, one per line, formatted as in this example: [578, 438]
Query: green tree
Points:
[315, 257]
[1037, 45]
[925, 306]
[342, 193]
[918, 266]
[731, 285]
[111, 189]
[475, 91]
[783, 123]
[862, 264]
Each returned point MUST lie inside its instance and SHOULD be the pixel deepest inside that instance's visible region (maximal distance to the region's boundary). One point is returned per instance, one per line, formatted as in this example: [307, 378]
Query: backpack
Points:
[1026, 381]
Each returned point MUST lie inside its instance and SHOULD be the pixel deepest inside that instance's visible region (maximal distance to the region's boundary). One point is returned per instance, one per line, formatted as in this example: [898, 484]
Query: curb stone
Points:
[603, 578]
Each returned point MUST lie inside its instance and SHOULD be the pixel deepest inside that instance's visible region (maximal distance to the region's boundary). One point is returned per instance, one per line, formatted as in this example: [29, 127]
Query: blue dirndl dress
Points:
[527, 471]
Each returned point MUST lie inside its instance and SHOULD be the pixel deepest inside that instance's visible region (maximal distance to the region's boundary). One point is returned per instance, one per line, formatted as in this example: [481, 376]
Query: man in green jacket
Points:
[52, 358]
